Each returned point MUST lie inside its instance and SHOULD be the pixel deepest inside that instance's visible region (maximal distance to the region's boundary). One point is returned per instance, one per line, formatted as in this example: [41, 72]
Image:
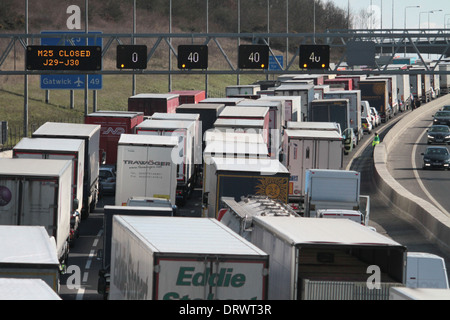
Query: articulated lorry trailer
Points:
[174, 258]
[328, 259]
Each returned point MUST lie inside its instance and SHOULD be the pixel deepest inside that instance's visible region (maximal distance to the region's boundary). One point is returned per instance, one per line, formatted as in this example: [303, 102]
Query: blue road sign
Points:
[71, 81]
[273, 65]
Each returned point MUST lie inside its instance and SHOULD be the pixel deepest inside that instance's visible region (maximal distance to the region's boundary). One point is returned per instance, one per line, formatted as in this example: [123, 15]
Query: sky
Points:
[413, 15]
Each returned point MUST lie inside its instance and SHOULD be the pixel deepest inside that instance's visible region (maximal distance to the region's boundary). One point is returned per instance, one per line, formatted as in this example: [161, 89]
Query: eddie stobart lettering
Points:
[146, 162]
[224, 277]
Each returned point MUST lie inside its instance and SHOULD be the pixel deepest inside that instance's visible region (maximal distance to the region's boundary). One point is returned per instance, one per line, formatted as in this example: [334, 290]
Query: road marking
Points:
[419, 181]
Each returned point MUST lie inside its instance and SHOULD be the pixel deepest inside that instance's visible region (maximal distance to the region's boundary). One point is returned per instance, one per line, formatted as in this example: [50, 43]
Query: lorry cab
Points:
[426, 270]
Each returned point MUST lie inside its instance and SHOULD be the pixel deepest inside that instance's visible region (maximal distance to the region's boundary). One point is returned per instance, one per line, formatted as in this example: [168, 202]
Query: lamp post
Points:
[408, 7]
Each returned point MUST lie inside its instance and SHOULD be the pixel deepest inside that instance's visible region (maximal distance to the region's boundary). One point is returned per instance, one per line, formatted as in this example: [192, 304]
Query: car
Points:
[377, 118]
[442, 117]
[445, 108]
[367, 125]
[436, 157]
[107, 179]
[438, 134]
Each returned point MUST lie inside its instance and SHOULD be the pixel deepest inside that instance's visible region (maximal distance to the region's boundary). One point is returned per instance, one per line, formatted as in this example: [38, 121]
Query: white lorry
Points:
[309, 149]
[28, 252]
[62, 149]
[354, 99]
[90, 134]
[200, 259]
[305, 91]
[327, 259]
[145, 167]
[426, 270]
[185, 131]
[334, 189]
[38, 192]
[237, 177]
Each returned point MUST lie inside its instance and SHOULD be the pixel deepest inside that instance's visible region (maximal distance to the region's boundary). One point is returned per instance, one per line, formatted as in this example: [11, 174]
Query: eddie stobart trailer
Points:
[181, 258]
[90, 134]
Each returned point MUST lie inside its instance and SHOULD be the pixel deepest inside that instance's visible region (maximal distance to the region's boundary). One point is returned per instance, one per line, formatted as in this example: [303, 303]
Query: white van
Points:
[366, 112]
[426, 270]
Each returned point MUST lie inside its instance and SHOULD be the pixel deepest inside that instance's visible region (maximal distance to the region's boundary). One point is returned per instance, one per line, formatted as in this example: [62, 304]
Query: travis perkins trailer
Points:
[181, 258]
[328, 259]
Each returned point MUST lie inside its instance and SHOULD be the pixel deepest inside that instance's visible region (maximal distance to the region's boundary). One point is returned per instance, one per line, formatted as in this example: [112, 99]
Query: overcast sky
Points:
[398, 7]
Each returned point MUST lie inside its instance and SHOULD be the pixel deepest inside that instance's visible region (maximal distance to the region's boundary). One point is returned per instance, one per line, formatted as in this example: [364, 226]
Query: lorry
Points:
[209, 112]
[416, 88]
[276, 120]
[90, 134]
[426, 270]
[375, 91]
[184, 130]
[335, 110]
[327, 259]
[354, 99]
[17, 289]
[234, 149]
[189, 96]
[28, 252]
[305, 91]
[334, 189]
[339, 83]
[104, 254]
[236, 177]
[291, 106]
[149, 103]
[309, 149]
[201, 259]
[392, 91]
[242, 90]
[405, 293]
[113, 124]
[404, 92]
[38, 192]
[62, 149]
[253, 126]
[238, 215]
[145, 167]
[444, 78]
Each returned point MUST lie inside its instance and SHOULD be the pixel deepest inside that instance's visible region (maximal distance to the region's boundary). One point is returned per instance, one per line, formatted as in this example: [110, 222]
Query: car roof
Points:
[437, 147]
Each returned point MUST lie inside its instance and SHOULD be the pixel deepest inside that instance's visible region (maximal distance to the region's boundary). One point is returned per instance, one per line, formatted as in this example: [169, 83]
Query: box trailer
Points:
[146, 167]
[339, 83]
[242, 90]
[327, 259]
[201, 259]
[184, 130]
[392, 91]
[236, 177]
[331, 189]
[375, 91]
[90, 134]
[291, 106]
[38, 192]
[209, 112]
[444, 78]
[113, 124]
[149, 103]
[217, 135]
[26, 289]
[104, 254]
[62, 149]
[229, 101]
[189, 96]
[331, 110]
[194, 117]
[327, 126]
[306, 92]
[27, 252]
[354, 100]
[309, 149]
